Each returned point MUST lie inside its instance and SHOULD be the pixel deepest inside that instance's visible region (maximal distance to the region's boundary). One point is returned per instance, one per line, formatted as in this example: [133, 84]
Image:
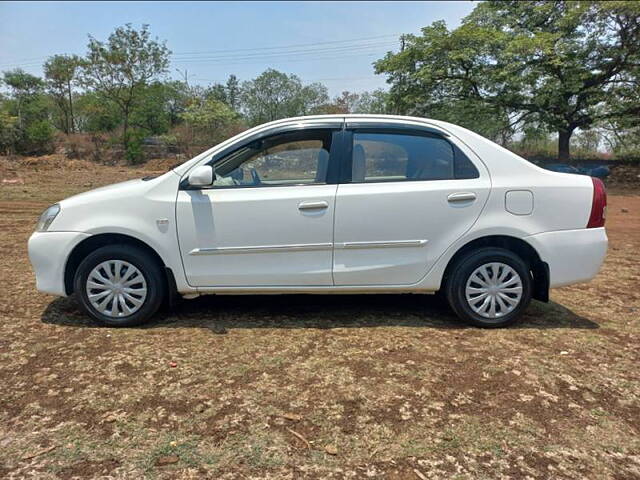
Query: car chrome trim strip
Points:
[307, 246]
[261, 249]
[383, 244]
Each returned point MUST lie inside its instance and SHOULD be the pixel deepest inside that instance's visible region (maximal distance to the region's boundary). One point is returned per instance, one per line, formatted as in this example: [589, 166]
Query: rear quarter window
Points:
[385, 157]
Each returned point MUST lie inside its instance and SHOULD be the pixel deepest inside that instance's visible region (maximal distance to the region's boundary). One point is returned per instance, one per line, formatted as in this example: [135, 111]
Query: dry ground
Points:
[314, 387]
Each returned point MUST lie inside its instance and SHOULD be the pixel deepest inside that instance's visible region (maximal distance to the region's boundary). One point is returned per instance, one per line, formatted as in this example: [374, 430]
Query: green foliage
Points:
[61, 73]
[9, 132]
[378, 101]
[25, 120]
[38, 137]
[151, 113]
[563, 65]
[208, 121]
[95, 114]
[209, 114]
[350, 102]
[121, 69]
[133, 151]
[273, 95]
[22, 84]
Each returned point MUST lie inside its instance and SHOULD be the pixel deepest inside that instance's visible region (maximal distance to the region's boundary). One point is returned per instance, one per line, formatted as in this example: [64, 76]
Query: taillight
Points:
[598, 205]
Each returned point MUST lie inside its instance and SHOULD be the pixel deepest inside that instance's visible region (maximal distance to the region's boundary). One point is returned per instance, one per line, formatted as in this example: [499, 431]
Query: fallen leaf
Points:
[292, 416]
[331, 449]
[168, 460]
[419, 474]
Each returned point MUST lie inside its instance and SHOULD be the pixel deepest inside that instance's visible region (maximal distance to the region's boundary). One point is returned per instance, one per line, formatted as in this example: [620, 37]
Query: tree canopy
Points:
[273, 95]
[560, 65]
[121, 68]
[61, 75]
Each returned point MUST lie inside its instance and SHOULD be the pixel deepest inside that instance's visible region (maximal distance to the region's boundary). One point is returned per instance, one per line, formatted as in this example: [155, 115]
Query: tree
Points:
[273, 95]
[24, 89]
[210, 119]
[561, 64]
[95, 114]
[228, 93]
[120, 69]
[177, 96]
[376, 101]
[233, 92]
[60, 72]
[25, 119]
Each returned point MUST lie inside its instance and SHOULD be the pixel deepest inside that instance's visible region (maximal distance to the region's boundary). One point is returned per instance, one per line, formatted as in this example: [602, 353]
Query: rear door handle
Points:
[461, 197]
[313, 205]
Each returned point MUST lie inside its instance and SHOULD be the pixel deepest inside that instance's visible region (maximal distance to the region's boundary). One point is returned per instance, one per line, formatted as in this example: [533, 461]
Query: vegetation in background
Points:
[61, 75]
[121, 69]
[541, 78]
[561, 66]
[274, 95]
[25, 115]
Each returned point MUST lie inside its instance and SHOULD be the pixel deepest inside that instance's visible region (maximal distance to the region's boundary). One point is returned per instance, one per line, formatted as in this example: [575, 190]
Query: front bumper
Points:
[573, 256]
[48, 254]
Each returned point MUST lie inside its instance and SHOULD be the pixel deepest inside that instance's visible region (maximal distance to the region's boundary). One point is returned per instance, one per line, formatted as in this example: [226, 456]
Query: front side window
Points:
[389, 157]
[294, 158]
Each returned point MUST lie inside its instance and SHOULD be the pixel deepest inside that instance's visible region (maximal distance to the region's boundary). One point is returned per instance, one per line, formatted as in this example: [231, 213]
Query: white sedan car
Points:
[329, 204]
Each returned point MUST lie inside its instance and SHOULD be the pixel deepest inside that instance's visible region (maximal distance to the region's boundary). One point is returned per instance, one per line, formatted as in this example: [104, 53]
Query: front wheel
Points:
[490, 287]
[119, 285]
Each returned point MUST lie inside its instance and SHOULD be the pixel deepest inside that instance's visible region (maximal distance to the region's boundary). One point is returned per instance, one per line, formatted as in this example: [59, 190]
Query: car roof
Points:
[382, 118]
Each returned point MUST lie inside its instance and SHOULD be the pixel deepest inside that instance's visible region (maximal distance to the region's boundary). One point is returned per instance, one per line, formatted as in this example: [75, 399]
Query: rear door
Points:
[406, 195]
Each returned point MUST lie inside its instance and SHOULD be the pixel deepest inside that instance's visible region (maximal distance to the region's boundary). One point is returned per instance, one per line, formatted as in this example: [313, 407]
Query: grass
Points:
[393, 383]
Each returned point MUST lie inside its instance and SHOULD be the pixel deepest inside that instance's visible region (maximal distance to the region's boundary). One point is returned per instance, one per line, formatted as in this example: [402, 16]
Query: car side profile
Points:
[329, 204]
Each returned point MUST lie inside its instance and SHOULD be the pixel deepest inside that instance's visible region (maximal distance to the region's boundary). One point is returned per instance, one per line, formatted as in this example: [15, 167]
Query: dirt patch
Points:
[372, 386]
[89, 469]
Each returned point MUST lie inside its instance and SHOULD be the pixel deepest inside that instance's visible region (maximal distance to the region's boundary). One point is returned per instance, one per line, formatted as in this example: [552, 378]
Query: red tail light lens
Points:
[598, 205]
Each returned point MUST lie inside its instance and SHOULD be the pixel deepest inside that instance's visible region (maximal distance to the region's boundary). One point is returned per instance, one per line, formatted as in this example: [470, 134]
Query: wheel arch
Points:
[89, 244]
[539, 269]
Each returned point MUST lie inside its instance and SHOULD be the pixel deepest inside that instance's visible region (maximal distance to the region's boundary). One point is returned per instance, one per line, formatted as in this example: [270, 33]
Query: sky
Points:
[330, 42]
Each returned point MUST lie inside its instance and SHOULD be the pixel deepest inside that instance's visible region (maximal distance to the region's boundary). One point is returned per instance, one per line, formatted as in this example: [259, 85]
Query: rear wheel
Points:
[490, 287]
[119, 285]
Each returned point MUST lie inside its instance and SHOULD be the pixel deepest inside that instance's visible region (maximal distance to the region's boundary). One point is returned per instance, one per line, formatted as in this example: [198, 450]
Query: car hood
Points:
[98, 194]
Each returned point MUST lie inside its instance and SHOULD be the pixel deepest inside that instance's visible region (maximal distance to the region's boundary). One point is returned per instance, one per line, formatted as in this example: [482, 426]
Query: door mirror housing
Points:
[202, 176]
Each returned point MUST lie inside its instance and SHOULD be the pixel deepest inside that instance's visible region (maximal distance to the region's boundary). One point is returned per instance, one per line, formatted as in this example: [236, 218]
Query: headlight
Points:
[47, 217]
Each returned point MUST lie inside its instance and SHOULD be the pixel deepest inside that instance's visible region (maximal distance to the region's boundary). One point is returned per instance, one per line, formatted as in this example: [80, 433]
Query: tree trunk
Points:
[66, 122]
[564, 137]
[125, 132]
[71, 127]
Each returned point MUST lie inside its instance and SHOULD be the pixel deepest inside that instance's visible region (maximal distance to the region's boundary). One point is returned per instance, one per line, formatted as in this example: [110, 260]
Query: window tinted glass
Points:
[388, 157]
[287, 159]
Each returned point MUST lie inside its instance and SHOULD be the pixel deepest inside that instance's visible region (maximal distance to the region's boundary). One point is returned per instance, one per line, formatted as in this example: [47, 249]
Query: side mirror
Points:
[202, 176]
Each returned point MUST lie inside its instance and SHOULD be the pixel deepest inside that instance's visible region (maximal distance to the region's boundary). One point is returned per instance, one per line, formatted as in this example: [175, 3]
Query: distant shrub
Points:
[38, 138]
[134, 153]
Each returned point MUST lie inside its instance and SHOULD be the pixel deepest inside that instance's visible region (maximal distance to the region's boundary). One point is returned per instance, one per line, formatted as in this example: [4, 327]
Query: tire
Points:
[472, 301]
[140, 285]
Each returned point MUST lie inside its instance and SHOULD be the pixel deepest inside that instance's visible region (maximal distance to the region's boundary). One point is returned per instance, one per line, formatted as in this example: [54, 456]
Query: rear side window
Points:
[393, 157]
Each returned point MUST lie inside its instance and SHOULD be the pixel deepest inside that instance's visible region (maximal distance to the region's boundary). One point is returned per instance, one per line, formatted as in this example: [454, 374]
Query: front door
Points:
[268, 218]
[410, 196]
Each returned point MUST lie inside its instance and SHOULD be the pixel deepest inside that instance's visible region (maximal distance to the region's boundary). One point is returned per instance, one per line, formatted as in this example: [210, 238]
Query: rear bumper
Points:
[573, 256]
[48, 254]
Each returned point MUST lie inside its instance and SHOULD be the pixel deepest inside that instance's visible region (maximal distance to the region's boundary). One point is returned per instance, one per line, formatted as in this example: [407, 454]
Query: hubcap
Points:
[493, 290]
[116, 288]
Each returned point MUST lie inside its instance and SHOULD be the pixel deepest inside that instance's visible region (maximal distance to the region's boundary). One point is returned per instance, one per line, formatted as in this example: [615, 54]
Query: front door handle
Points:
[461, 197]
[313, 205]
